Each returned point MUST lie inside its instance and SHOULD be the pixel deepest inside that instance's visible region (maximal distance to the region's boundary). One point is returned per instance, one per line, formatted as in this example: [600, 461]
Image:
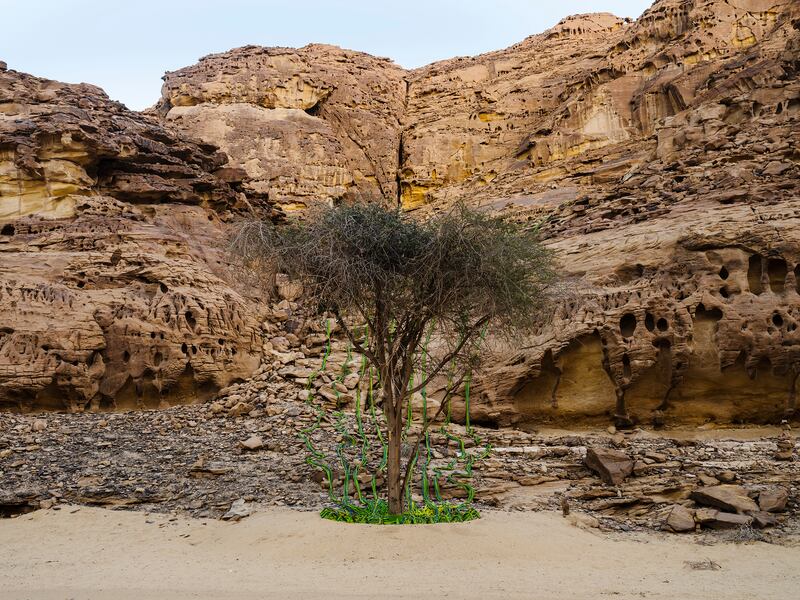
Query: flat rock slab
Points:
[724, 520]
[731, 498]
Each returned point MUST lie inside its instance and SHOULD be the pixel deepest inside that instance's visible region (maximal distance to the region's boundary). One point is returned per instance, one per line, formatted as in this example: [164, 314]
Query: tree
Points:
[447, 278]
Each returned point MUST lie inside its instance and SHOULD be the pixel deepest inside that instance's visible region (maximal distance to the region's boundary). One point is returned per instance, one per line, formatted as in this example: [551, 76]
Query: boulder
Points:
[680, 519]
[773, 499]
[612, 466]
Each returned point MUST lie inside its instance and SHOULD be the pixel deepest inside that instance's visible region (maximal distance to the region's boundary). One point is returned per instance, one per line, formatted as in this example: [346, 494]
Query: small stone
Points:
[656, 457]
[216, 408]
[680, 519]
[252, 443]
[707, 480]
[762, 520]
[726, 476]
[776, 168]
[773, 499]
[39, 425]
[238, 510]
[351, 381]
[582, 521]
[242, 408]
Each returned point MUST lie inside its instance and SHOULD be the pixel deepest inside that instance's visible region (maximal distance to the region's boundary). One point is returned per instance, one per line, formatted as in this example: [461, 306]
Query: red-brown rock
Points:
[612, 466]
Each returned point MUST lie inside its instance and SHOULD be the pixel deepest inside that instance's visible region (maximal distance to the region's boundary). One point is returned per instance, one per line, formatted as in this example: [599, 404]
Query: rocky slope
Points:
[111, 288]
[661, 155]
[186, 460]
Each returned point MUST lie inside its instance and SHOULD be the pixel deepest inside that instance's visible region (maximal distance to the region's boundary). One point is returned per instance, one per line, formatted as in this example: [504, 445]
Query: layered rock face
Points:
[111, 288]
[681, 238]
[660, 155]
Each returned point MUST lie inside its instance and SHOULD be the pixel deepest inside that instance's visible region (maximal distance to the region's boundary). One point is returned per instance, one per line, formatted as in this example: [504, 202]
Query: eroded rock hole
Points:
[126, 356]
[314, 110]
[723, 273]
[157, 358]
[777, 270]
[662, 344]
[662, 324]
[116, 256]
[754, 274]
[8, 229]
[164, 289]
[713, 314]
[777, 320]
[627, 325]
[626, 366]
[649, 322]
[723, 291]
[190, 319]
[184, 348]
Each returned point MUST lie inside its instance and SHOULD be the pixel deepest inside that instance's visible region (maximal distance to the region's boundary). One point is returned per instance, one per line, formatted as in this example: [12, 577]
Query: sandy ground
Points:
[81, 553]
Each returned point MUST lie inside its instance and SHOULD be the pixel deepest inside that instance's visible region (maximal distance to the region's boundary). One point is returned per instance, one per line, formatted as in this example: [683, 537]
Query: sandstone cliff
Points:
[110, 287]
[315, 124]
[660, 155]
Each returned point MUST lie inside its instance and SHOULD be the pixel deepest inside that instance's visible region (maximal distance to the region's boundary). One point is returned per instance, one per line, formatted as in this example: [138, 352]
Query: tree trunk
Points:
[394, 471]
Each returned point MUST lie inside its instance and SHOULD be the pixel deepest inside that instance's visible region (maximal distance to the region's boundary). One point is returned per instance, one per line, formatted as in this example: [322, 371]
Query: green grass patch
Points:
[376, 512]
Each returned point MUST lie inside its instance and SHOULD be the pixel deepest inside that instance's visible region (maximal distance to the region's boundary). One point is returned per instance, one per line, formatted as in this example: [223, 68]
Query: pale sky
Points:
[125, 47]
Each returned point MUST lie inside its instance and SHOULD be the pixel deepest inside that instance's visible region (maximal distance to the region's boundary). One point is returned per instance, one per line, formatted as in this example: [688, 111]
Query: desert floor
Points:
[82, 553]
